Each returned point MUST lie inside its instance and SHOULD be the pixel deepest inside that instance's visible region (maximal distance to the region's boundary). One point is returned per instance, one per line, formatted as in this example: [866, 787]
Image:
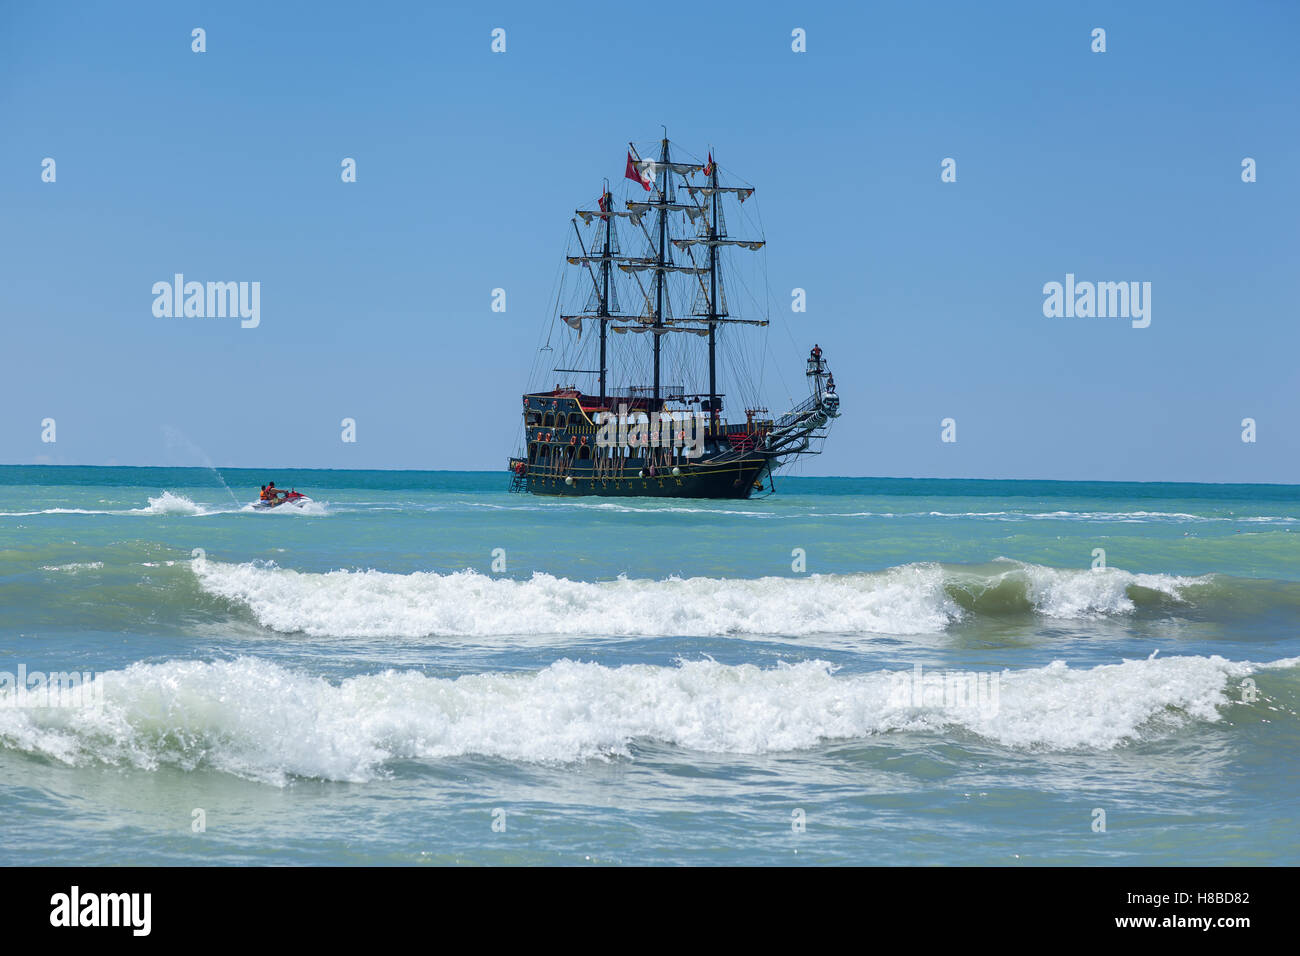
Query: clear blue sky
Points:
[926, 296]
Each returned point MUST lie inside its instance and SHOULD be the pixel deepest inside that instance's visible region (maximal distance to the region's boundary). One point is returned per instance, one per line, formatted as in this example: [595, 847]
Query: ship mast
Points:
[607, 203]
[661, 257]
[713, 302]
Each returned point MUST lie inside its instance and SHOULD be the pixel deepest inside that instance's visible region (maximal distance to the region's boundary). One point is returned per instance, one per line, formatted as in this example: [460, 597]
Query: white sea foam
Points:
[654, 507]
[172, 504]
[167, 503]
[303, 508]
[74, 567]
[910, 599]
[1119, 517]
[259, 720]
[904, 600]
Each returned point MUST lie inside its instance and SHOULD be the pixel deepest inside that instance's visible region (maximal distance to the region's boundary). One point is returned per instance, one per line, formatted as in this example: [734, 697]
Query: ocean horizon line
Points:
[491, 471]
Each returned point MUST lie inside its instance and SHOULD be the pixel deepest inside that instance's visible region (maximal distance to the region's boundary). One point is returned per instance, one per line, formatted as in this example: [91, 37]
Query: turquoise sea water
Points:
[648, 681]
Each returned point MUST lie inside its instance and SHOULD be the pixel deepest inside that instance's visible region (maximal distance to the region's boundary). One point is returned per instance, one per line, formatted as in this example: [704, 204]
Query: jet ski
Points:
[292, 498]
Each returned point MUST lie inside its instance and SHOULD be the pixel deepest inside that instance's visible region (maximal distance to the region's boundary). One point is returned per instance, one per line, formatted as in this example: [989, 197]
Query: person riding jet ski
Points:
[272, 497]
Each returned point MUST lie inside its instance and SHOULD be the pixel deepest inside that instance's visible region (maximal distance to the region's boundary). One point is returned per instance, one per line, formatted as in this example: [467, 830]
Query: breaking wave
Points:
[170, 504]
[259, 720]
[910, 599]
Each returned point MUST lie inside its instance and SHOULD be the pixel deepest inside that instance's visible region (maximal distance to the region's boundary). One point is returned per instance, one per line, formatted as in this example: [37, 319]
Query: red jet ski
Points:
[289, 498]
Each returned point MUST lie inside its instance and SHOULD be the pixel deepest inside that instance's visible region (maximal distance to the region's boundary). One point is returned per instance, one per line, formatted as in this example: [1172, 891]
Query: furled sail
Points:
[742, 192]
[651, 267]
[704, 241]
[657, 330]
[579, 260]
[641, 208]
[587, 215]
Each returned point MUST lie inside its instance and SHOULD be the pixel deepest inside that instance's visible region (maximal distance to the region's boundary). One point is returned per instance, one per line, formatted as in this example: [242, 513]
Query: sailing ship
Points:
[660, 439]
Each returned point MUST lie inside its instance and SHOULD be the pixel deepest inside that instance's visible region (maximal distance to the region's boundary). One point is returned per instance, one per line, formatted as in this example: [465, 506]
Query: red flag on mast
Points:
[641, 171]
[708, 167]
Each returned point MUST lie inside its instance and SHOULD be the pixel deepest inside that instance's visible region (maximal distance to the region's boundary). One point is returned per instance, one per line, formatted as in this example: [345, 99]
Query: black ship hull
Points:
[735, 478]
[568, 455]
